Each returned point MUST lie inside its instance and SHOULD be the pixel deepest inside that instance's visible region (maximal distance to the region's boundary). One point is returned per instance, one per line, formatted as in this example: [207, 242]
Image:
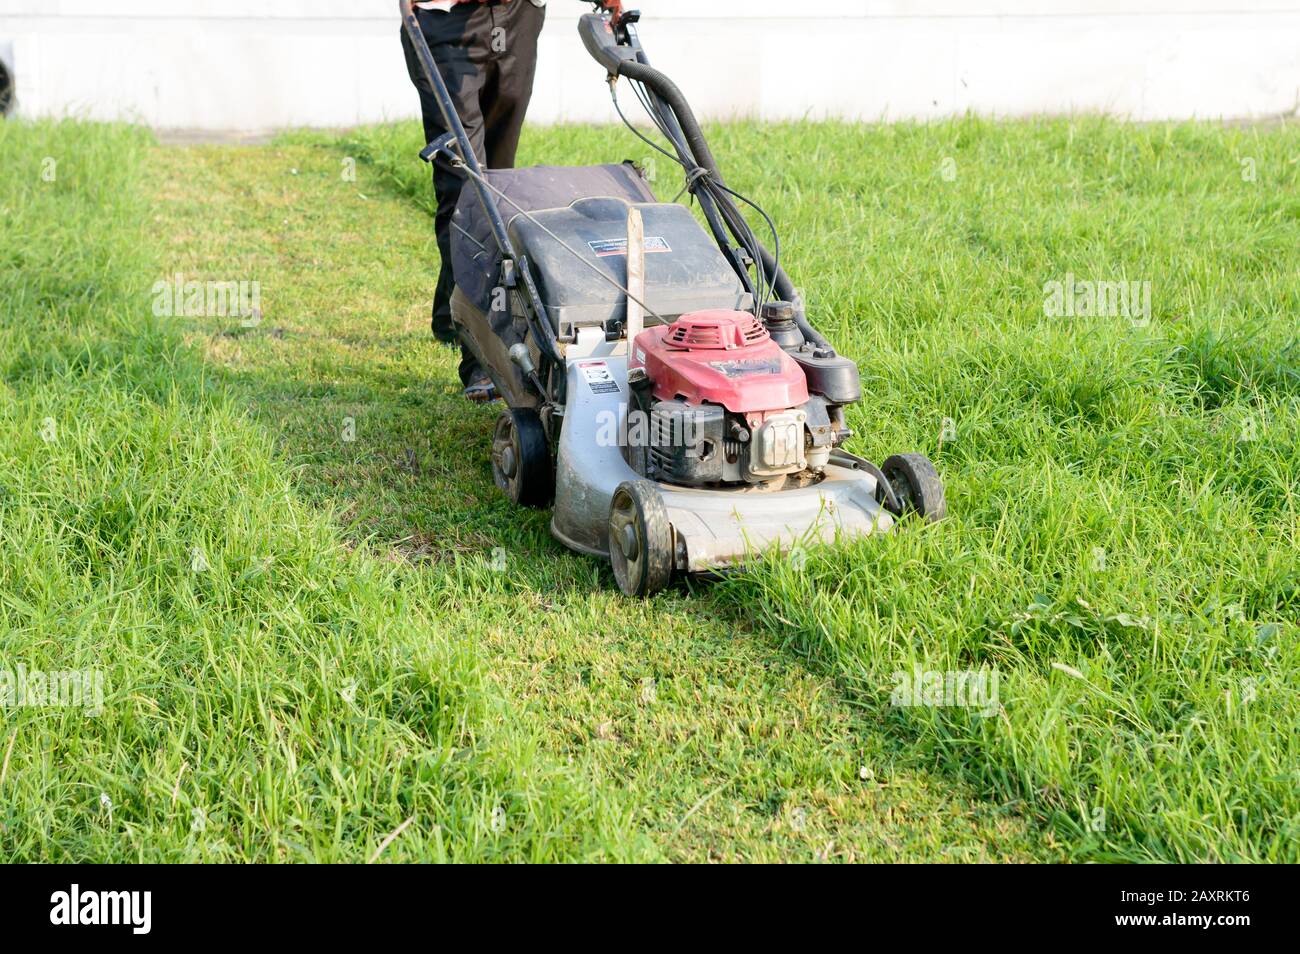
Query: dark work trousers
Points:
[486, 54]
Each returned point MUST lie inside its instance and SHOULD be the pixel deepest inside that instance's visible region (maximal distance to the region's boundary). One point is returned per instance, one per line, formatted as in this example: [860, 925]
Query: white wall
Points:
[246, 65]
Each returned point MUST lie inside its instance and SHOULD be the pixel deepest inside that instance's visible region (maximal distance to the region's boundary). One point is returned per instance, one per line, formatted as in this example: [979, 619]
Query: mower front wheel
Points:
[521, 461]
[916, 484]
[640, 539]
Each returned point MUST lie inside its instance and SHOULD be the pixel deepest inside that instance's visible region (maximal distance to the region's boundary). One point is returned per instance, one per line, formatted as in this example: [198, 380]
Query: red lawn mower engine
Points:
[725, 403]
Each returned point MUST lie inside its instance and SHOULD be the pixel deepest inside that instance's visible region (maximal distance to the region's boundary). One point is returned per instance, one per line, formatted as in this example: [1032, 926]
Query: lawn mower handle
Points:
[598, 37]
[464, 153]
[617, 48]
[451, 119]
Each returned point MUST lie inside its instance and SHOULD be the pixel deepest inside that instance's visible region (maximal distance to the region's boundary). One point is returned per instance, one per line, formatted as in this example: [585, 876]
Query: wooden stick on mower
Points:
[635, 276]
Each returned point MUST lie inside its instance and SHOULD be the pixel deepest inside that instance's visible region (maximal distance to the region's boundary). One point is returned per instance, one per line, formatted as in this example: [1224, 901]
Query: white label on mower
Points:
[598, 377]
[603, 248]
[739, 369]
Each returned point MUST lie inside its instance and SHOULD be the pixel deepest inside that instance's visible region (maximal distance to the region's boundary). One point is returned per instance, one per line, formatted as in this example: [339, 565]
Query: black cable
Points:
[776, 238]
[613, 95]
[652, 109]
[697, 146]
[746, 237]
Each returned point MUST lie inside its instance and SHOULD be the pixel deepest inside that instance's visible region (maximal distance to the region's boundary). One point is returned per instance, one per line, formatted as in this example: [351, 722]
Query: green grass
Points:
[1121, 547]
[1123, 541]
[269, 696]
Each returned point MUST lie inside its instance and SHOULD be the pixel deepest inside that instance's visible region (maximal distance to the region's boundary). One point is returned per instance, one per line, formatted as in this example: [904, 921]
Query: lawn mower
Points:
[665, 391]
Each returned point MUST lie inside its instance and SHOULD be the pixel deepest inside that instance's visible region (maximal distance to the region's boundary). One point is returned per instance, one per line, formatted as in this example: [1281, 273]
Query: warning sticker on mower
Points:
[598, 377]
[607, 247]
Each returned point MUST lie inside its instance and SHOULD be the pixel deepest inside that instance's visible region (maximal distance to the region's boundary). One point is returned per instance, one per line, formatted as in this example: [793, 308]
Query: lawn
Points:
[325, 636]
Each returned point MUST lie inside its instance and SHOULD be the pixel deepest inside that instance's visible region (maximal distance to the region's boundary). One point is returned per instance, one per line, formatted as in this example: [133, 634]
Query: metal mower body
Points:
[712, 527]
[665, 391]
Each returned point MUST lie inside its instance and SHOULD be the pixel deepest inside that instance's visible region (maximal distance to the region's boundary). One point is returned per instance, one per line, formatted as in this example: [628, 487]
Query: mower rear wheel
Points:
[640, 538]
[521, 461]
[917, 486]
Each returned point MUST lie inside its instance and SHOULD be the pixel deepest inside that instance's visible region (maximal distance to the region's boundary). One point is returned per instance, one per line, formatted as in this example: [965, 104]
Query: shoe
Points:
[481, 390]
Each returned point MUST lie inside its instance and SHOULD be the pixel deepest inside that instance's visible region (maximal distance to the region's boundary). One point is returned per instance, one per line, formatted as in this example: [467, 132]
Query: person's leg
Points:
[504, 40]
[505, 95]
[450, 36]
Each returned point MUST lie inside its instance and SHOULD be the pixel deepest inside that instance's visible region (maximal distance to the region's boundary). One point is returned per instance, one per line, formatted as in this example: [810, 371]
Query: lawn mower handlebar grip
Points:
[597, 34]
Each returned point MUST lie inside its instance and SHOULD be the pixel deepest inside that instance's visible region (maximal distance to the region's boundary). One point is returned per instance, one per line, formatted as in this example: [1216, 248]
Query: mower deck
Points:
[712, 528]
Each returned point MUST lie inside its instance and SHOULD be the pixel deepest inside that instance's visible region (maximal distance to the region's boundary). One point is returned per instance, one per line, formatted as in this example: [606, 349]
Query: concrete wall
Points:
[252, 66]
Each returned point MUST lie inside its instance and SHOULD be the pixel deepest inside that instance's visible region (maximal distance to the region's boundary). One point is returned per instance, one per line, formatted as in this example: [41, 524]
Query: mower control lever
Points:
[440, 145]
[524, 361]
